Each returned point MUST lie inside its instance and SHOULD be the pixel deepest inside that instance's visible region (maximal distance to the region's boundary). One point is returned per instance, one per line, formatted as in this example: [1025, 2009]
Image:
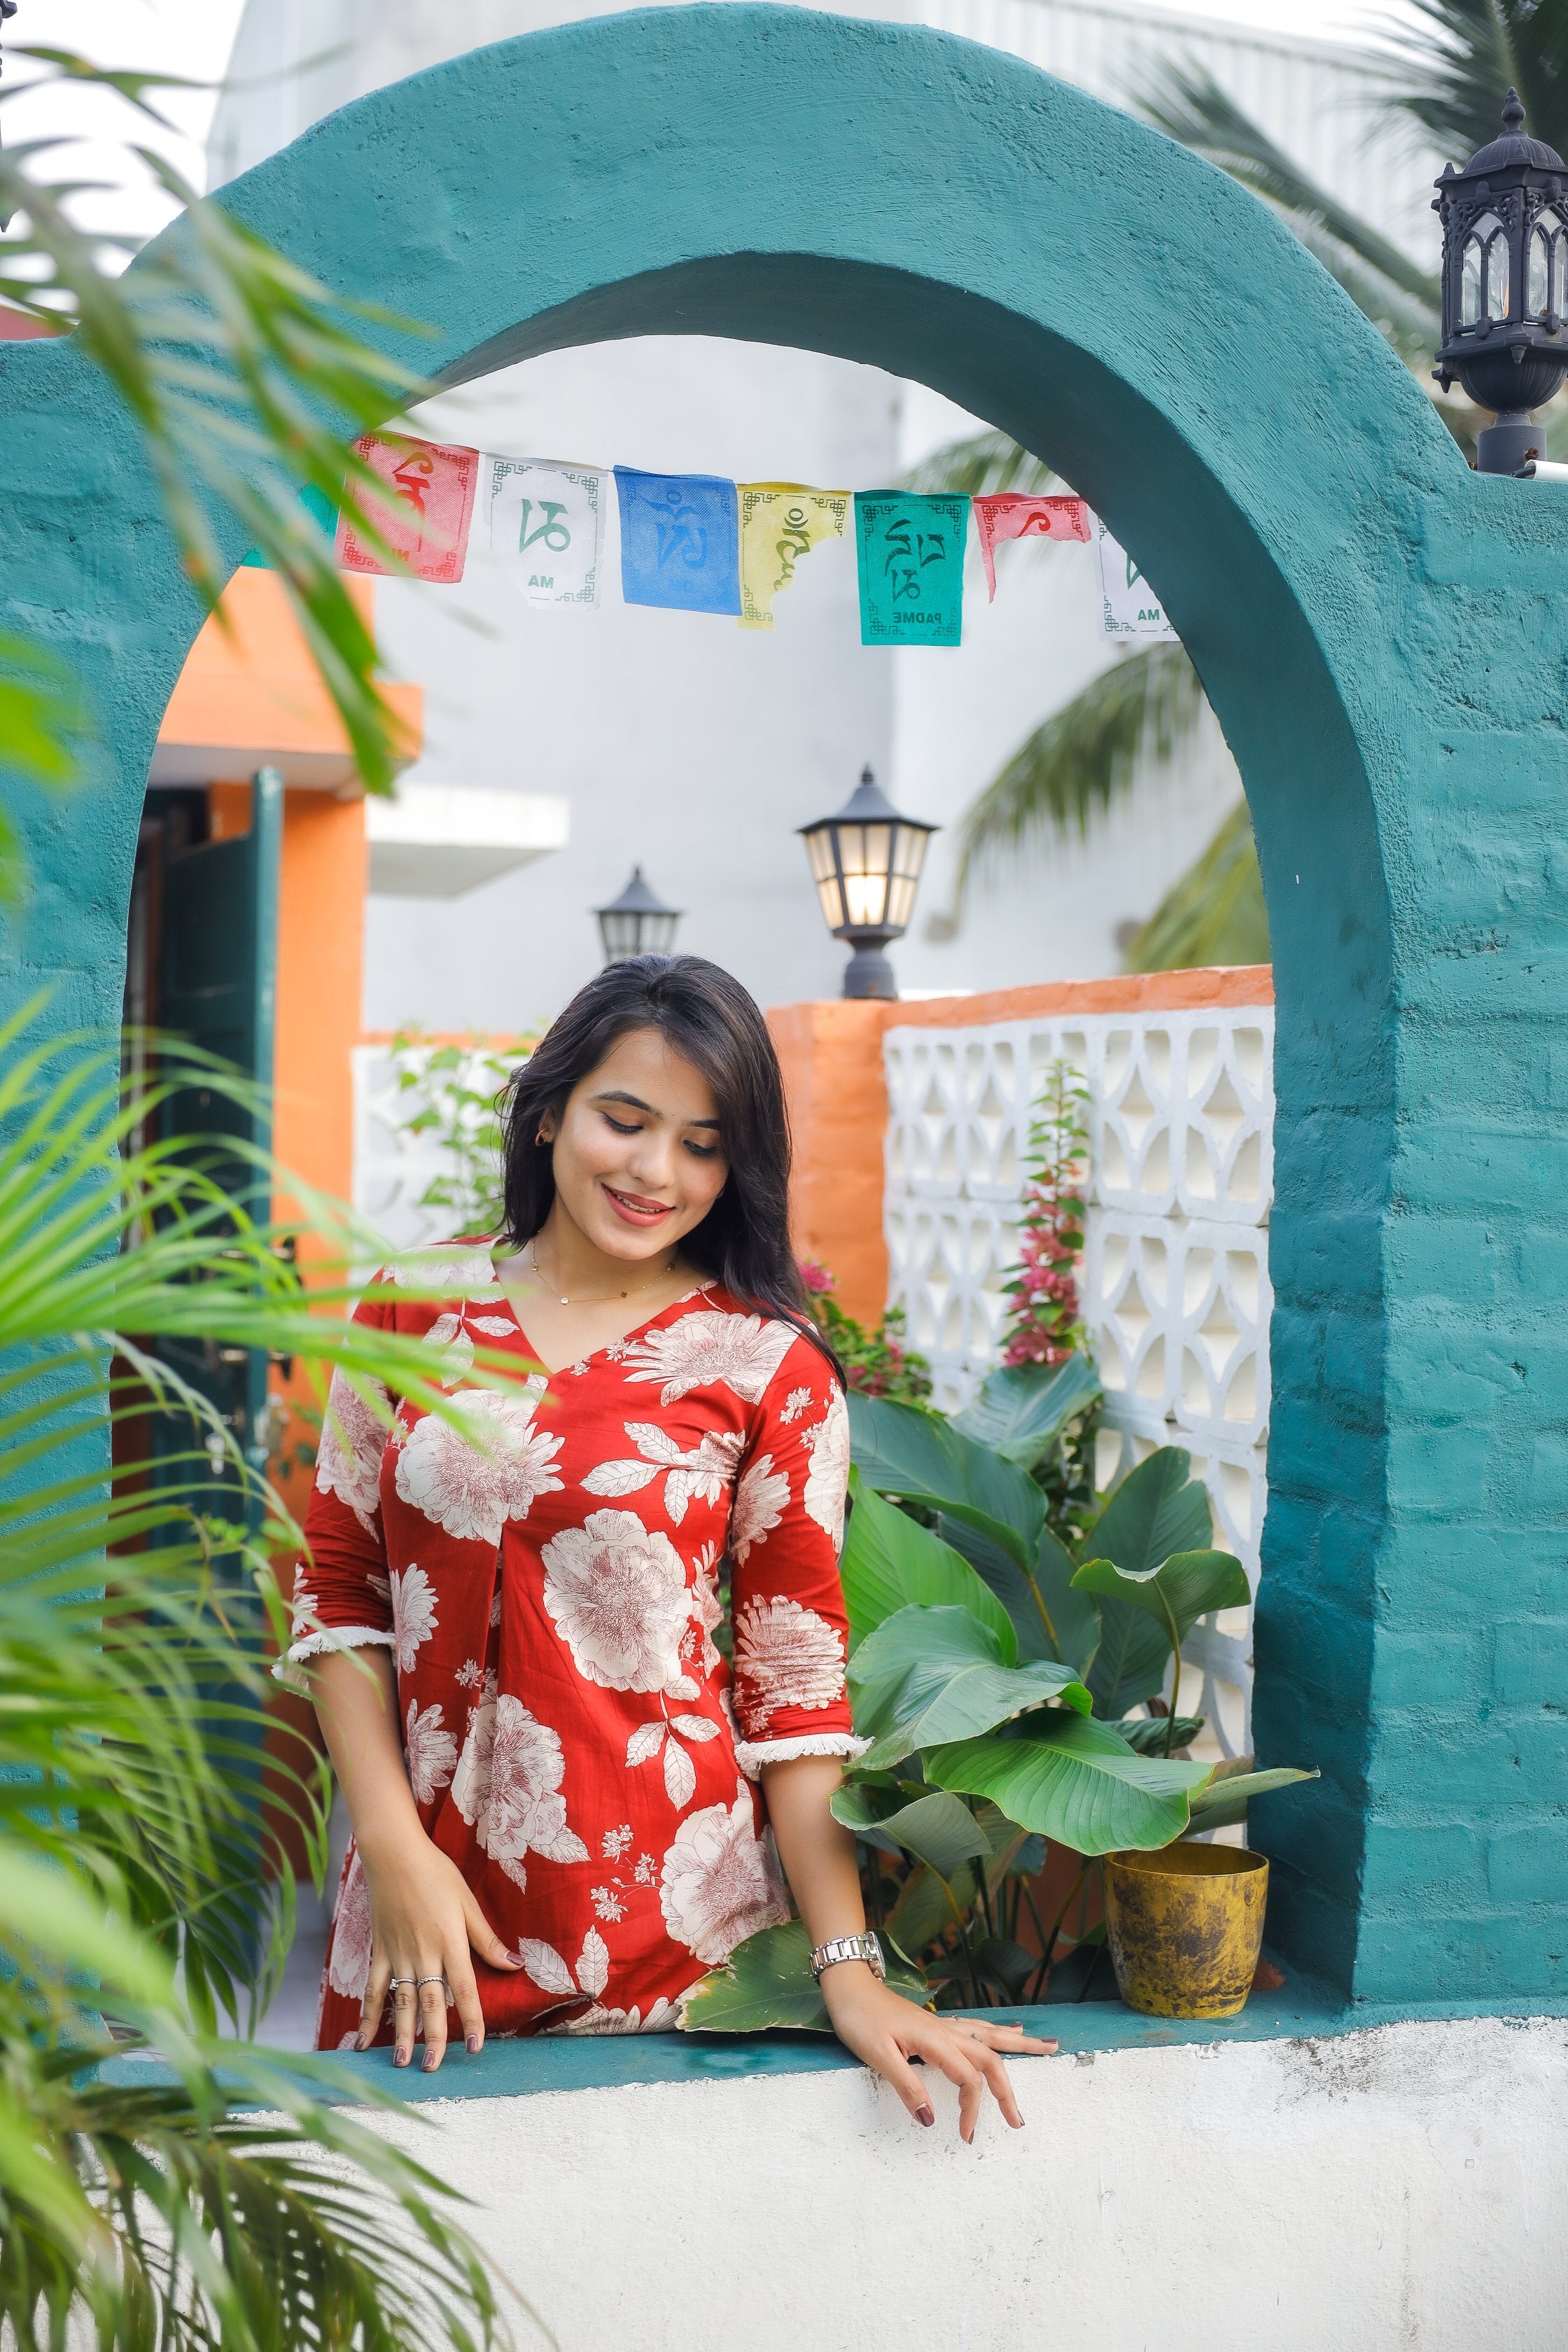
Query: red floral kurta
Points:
[572, 1736]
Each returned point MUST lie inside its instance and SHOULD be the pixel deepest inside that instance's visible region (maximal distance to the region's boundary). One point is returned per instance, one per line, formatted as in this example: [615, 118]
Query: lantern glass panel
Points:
[1484, 289]
[865, 852]
[1537, 276]
[909, 856]
[1558, 302]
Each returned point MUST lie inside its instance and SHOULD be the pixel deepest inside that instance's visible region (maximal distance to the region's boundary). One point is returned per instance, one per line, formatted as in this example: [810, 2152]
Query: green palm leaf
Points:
[1214, 913]
[1451, 78]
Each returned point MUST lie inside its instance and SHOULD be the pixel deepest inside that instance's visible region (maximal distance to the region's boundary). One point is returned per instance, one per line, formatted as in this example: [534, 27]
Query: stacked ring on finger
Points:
[395, 1985]
[420, 1982]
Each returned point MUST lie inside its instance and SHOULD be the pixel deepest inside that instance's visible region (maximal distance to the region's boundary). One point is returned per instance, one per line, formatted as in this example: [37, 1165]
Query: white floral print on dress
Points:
[348, 1459]
[661, 2019]
[549, 1972]
[828, 1481]
[453, 1345]
[458, 1270]
[506, 1787]
[797, 1402]
[707, 1608]
[762, 1499]
[784, 1656]
[700, 1475]
[432, 1752]
[471, 1485]
[617, 1593]
[720, 1881]
[350, 1970]
[413, 1617]
[743, 1352]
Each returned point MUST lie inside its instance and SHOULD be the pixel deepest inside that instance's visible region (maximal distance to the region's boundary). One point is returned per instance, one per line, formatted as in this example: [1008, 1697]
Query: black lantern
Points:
[638, 922]
[1505, 285]
[866, 863]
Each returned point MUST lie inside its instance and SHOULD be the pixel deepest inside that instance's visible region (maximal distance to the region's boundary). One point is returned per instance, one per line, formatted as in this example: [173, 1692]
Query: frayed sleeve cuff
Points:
[329, 1637]
[751, 1755]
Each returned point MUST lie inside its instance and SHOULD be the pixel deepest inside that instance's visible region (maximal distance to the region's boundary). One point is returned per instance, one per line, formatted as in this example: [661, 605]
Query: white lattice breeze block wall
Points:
[1176, 1292]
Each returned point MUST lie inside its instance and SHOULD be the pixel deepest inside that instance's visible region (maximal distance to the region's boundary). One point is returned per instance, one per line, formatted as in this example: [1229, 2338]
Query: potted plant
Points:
[997, 1672]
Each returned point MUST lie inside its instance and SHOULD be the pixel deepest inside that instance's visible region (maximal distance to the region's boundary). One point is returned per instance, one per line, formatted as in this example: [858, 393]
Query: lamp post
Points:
[638, 922]
[866, 863]
[1505, 285]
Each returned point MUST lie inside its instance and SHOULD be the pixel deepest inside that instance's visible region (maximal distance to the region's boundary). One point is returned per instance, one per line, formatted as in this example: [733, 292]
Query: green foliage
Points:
[450, 1096]
[876, 1363]
[137, 1838]
[902, 1451]
[975, 1646]
[1020, 1416]
[767, 1982]
[1212, 914]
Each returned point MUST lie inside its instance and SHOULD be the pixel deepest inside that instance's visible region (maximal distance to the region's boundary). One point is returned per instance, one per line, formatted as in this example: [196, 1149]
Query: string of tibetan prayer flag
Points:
[1128, 605]
[910, 549]
[424, 517]
[546, 523]
[1016, 515]
[780, 522]
[680, 540]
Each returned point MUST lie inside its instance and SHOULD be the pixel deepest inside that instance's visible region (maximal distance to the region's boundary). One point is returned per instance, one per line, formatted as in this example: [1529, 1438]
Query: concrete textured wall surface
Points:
[1383, 636]
[1403, 2185]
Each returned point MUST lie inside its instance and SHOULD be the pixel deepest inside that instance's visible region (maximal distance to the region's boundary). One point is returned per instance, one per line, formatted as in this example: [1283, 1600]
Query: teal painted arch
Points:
[1383, 637]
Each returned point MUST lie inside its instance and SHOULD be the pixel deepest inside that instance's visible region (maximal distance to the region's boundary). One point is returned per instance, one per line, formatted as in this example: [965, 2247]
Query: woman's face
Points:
[637, 1159]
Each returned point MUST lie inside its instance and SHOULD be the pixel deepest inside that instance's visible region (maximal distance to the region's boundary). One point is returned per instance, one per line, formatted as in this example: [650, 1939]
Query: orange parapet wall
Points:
[249, 682]
[831, 1054]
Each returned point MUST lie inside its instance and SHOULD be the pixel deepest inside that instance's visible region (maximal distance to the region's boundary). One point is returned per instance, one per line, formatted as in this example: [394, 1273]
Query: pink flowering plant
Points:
[878, 1363]
[1046, 1325]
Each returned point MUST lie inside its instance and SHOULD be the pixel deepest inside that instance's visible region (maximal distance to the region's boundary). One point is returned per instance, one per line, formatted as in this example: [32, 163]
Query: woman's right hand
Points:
[424, 1924]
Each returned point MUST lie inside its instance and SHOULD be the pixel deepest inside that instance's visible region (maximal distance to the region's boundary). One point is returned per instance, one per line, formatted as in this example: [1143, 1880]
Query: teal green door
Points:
[218, 984]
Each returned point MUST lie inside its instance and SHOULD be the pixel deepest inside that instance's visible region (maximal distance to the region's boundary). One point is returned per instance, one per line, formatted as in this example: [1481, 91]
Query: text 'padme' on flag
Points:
[910, 549]
[1015, 515]
[545, 521]
[680, 540]
[424, 514]
[780, 522]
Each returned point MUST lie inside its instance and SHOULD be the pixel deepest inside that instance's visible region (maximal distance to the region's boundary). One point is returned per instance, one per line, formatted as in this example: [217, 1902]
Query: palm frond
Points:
[984, 465]
[1451, 77]
[1078, 761]
[1215, 914]
[1189, 105]
[138, 1829]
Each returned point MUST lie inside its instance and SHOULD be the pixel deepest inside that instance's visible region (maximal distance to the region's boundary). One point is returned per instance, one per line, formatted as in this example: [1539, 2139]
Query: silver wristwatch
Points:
[849, 1947]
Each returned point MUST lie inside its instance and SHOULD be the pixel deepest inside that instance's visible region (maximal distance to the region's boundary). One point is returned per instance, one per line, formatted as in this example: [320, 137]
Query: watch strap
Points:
[849, 1947]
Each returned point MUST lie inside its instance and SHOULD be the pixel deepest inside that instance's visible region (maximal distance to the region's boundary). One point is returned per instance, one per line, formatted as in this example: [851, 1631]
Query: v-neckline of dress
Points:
[554, 1371]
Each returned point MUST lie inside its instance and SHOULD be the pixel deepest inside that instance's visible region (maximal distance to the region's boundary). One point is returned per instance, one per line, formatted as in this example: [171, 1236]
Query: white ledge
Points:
[437, 840]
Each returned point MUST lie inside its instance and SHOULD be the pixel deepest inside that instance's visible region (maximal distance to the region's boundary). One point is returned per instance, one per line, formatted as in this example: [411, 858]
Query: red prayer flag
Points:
[1014, 516]
[425, 518]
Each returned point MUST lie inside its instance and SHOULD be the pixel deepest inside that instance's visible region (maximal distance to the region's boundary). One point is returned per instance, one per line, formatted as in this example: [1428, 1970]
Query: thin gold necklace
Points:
[603, 1297]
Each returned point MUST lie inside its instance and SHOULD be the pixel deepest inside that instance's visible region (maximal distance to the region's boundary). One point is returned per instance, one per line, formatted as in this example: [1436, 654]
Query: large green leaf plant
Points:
[1010, 1687]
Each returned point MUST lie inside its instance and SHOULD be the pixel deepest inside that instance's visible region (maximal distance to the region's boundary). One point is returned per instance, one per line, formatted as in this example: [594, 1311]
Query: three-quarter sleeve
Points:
[787, 1528]
[341, 1591]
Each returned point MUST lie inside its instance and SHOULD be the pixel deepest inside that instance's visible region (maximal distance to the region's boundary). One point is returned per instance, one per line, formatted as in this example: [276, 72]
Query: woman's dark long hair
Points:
[709, 1019]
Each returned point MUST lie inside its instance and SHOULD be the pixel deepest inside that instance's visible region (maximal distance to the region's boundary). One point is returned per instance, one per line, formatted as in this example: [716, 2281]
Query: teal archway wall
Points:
[1383, 635]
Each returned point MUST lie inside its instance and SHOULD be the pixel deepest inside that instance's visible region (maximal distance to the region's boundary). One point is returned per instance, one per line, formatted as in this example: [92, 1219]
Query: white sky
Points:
[194, 38]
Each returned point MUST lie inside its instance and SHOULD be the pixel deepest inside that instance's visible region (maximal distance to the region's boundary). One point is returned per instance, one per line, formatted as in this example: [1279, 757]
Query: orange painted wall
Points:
[831, 1053]
[249, 680]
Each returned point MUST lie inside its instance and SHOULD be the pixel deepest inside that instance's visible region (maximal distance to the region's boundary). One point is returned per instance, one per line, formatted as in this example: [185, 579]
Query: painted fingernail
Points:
[362, 2042]
[474, 2045]
[432, 2060]
[400, 2056]
[924, 2115]
[967, 2137]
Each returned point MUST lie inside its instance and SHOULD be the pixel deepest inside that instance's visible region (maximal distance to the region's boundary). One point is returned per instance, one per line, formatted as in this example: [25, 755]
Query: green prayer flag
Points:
[910, 545]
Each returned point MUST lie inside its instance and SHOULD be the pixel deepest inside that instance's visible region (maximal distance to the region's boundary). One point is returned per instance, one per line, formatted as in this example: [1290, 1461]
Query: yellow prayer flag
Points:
[780, 522]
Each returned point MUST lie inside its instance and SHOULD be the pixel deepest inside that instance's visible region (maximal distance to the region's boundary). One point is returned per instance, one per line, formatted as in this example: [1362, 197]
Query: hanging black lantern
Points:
[638, 922]
[866, 863]
[1505, 285]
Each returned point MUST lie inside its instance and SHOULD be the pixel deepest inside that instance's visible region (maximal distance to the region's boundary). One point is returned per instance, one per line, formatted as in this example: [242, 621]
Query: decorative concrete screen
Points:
[1176, 1292]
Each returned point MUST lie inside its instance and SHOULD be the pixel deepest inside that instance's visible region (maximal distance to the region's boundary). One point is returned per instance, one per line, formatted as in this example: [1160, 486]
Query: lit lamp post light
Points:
[638, 922]
[866, 863]
[1505, 285]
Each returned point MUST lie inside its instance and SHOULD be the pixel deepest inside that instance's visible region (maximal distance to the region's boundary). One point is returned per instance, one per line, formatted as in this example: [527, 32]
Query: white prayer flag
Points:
[1128, 605]
[546, 523]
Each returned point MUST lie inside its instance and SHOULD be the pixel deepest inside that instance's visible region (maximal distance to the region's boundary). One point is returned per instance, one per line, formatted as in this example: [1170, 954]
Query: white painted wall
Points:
[695, 747]
[1399, 2188]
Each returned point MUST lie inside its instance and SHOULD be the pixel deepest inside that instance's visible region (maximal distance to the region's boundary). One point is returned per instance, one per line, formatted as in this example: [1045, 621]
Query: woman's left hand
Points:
[888, 2032]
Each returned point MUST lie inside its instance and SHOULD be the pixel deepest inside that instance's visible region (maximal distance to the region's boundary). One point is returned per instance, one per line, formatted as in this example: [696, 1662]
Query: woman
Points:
[564, 1810]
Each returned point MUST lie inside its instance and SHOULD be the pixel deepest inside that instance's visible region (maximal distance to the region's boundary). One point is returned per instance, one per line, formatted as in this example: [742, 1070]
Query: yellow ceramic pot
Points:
[1185, 1927]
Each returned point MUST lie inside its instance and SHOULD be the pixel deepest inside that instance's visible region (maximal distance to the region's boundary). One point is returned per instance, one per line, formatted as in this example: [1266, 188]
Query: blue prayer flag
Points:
[680, 540]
